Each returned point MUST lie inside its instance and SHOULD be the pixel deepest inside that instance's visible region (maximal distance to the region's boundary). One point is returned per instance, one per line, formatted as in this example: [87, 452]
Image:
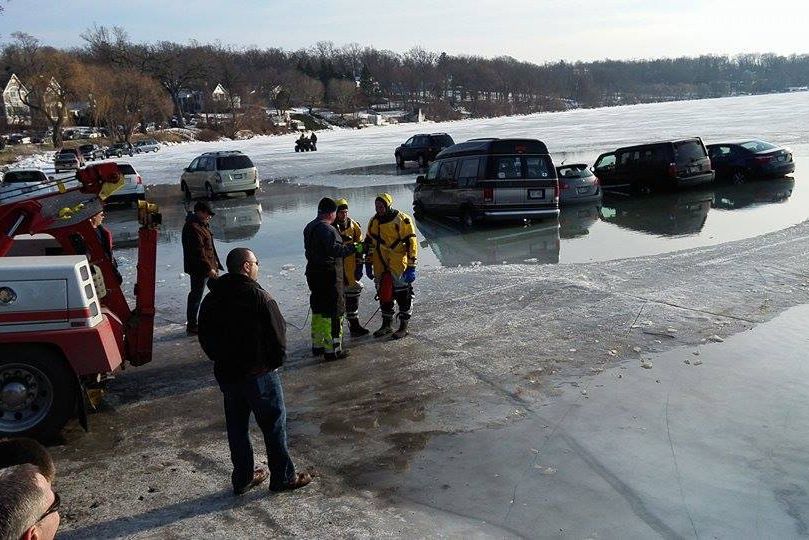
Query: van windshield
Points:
[229, 163]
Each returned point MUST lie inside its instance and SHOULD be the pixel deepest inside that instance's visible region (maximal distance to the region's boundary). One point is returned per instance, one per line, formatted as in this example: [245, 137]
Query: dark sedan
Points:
[742, 161]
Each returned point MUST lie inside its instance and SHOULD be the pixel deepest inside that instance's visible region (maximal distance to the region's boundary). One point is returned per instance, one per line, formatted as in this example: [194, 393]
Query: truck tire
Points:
[186, 191]
[38, 392]
[422, 161]
[400, 162]
[209, 192]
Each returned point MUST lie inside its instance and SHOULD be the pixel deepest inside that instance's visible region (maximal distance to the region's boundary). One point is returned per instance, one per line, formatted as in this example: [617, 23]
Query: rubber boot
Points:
[402, 331]
[385, 329]
[339, 355]
[356, 329]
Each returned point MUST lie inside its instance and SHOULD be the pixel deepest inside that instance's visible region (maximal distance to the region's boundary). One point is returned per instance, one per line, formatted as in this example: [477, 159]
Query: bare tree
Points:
[341, 94]
[126, 97]
[51, 78]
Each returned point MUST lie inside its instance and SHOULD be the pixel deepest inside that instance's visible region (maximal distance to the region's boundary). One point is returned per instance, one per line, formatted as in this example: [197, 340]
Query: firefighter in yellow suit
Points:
[391, 248]
[351, 232]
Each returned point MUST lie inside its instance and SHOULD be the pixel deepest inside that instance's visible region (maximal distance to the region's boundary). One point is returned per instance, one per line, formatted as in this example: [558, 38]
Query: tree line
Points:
[128, 84]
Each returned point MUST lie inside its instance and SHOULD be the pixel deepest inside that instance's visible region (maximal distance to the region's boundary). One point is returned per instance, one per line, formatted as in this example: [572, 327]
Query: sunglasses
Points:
[54, 507]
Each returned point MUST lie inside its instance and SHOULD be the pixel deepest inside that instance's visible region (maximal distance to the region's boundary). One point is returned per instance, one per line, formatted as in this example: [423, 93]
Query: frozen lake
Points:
[357, 164]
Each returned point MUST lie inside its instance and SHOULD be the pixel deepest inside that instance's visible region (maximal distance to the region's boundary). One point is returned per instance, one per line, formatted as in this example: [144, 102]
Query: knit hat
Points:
[342, 204]
[386, 198]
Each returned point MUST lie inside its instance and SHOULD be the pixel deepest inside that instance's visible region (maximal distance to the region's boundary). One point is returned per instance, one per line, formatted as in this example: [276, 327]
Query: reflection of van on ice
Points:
[490, 179]
[454, 246]
[655, 166]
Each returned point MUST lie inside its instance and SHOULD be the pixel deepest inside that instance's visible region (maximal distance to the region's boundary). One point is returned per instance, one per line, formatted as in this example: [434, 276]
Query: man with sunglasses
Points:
[242, 330]
[29, 508]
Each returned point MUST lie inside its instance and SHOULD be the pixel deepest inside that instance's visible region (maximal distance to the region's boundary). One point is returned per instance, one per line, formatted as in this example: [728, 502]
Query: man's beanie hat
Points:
[326, 205]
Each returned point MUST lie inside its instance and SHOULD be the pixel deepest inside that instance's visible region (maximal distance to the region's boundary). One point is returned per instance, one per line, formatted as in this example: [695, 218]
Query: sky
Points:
[533, 30]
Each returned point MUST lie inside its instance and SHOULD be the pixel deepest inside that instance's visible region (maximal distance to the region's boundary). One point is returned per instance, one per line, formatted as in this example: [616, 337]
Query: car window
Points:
[537, 167]
[508, 167]
[432, 172]
[409, 142]
[13, 177]
[686, 152]
[208, 164]
[605, 162]
[719, 152]
[758, 146]
[194, 165]
[125, 168]
[628, 157]
[442, 140]
[469, 168]
[229, 163]
[447, 170]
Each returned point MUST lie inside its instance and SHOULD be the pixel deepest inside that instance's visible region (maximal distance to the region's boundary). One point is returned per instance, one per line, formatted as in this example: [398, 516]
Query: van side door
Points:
[427, 188]
[447, 185]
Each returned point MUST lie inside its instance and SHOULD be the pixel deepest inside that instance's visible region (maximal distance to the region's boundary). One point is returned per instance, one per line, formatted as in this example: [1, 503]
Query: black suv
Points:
[656, 166]
[422, 148]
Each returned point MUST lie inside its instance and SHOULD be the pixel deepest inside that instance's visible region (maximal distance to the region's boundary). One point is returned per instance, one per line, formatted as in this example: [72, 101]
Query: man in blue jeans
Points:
[242, 330]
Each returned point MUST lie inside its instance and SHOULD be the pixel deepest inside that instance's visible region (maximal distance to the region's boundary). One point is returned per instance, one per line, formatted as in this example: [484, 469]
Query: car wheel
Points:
[738, 177]
[400, 162]
[250, 192]
[422, 161]
[418, 208]
[209, 192]
[37, 392]
[186, 191]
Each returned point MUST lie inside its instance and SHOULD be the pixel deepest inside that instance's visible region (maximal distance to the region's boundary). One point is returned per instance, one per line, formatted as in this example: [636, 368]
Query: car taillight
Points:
[488, 194]
[673, 170]
[556, 192]
[139, 180]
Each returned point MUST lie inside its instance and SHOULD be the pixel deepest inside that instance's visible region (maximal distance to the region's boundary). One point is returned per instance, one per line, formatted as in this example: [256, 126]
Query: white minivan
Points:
[215, 173]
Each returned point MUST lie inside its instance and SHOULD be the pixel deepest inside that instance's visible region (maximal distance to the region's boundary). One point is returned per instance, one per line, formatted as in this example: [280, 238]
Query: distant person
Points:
[242, 330]
[200, 260]
[29, 508]
[351, 232]
[325, 252]
[313, 141]
[392, 251]
[21, 450]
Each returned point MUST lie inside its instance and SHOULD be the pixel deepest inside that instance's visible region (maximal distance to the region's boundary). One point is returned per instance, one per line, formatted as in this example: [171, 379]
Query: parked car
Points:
[149, 145]
[91, 152]
[577, 184]
[38, 138]
[656, 166]
[215, 173]
[422, 148]
[133, 189]
[743, 160]
[120, 149]
[490, 179]
[68, 158]
[19, 138]
[20, 184]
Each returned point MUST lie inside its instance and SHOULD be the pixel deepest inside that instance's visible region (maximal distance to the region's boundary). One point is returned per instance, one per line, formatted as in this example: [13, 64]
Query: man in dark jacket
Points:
[242, 330]
[324, 274]
[200, 260]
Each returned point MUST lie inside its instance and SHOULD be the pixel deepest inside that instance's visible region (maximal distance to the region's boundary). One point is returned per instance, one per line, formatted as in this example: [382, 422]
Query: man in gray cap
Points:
[324, 275]
[200, 260]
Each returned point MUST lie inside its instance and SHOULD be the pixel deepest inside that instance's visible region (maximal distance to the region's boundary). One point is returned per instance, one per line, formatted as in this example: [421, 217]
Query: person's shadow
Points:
[153, 520]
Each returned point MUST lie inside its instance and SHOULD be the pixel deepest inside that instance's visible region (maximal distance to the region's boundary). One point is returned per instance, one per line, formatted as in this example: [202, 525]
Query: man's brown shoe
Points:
[301, 479]
[259, 475]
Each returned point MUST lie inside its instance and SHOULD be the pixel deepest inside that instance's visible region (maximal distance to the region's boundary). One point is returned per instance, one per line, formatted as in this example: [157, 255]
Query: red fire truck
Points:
[65, 324]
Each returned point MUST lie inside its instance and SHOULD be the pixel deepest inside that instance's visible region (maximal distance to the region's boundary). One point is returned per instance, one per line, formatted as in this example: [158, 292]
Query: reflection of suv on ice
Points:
[422, 148]
[656, 166]
[215, 173]
[149, 145]
[120, 149]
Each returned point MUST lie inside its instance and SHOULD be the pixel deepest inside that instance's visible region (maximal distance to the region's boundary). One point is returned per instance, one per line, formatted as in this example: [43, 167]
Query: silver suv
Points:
[215, 173]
